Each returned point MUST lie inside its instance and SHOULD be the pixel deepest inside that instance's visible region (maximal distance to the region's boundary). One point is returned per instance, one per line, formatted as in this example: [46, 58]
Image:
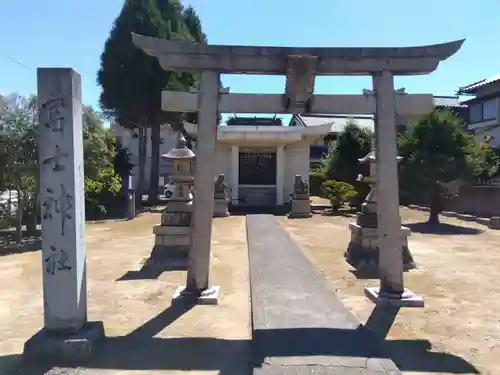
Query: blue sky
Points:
[70, 33]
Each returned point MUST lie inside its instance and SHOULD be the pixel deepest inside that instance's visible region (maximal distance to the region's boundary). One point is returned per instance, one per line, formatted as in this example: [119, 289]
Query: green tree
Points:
[19, 158]
[341, 160]
[435, 149]
[132, 81]
[122, 164]
[102, 185]
[18, 125]
[483, 163]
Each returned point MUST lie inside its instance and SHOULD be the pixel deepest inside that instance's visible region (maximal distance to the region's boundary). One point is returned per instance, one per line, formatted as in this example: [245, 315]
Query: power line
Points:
[16, 61]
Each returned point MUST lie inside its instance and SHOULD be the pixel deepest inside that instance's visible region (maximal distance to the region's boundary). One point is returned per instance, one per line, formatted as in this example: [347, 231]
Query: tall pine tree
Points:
[132, 82]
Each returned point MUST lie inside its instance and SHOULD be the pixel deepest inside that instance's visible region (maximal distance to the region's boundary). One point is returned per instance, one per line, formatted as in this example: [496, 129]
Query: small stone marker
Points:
[66, 333]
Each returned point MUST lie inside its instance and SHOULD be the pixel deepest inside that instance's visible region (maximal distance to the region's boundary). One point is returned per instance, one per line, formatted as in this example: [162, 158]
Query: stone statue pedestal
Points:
[300, 208]
[221, 207]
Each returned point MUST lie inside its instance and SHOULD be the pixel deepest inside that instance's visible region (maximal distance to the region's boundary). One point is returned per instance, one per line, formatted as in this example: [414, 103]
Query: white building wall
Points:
[223, 162]
[131, 143]
[295, 159]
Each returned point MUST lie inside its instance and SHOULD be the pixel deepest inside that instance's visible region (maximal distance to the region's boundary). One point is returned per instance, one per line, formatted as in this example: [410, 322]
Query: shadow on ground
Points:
[151, 270]
[442, 228]
[369, 273]
[365, 273]
[146, 352]
[151, 209]
[342, 212]
[141, 350]
[413, 355]
[365, 341]
[9, 245]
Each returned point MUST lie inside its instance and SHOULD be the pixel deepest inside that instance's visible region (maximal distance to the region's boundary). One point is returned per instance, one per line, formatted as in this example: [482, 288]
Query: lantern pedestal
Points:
[362, 252]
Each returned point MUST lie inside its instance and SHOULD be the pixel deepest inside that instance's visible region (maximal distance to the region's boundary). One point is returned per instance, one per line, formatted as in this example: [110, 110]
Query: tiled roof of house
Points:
[448, 101]
[338, 123]
[471, 89]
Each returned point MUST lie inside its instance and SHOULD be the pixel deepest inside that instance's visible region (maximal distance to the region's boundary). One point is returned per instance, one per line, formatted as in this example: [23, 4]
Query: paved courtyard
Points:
[458, 331]
[145, 335]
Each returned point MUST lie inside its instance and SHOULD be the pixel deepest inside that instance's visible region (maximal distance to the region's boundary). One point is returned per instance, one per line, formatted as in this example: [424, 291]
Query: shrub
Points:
[101, 193]
[316, 179]
[338, 193]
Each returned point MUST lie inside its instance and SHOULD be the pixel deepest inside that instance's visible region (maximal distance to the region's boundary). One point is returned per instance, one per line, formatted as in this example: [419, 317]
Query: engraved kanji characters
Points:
[61, 205]
[55, 161]
[51, 114]
[56, 261]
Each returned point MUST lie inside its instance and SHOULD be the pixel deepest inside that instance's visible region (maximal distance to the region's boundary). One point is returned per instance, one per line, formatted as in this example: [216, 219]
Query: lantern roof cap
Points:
[181, 151]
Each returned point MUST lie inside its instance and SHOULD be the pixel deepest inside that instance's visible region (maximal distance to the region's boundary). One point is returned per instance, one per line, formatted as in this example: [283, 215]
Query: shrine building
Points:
[260, 157]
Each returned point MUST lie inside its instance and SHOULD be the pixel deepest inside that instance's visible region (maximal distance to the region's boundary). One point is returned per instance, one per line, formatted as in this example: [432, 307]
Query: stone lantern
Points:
[173, 235]
[362, 252]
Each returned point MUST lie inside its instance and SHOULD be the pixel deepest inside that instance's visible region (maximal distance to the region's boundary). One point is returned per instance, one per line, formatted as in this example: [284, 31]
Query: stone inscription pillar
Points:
[60, 140]
[389, 222]
[66, 335]
[199, 256]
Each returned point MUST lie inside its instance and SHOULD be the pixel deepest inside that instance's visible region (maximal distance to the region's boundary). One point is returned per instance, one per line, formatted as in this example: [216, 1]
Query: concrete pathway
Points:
[299, 324]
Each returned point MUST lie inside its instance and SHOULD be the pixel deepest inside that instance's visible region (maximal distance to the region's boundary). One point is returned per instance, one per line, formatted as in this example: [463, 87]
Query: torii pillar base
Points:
[407, 299]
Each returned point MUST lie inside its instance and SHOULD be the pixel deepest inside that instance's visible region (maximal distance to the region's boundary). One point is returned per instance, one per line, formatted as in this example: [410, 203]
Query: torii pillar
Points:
[197, 283]
[391, 291]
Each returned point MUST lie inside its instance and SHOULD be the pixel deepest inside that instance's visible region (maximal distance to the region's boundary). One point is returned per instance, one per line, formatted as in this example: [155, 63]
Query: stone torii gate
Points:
[301, 66]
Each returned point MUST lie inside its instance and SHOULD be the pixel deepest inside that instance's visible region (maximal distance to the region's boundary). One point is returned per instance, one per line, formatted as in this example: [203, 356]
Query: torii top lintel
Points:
[175, 55]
